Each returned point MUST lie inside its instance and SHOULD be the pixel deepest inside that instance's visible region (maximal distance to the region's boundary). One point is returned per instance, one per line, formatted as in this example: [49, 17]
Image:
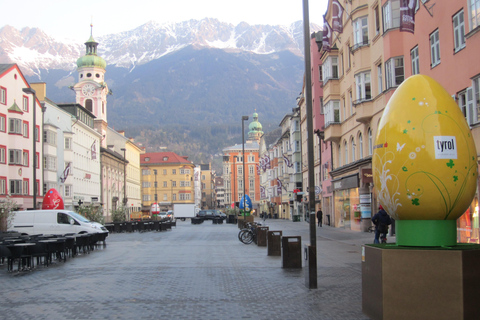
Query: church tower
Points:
[91, 89]
[255, 129]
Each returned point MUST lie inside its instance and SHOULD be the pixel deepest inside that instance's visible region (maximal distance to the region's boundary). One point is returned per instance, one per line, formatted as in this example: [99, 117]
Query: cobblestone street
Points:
[191, 272]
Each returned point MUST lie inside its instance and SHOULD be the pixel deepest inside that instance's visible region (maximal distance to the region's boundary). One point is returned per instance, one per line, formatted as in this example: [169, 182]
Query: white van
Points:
[53, 222]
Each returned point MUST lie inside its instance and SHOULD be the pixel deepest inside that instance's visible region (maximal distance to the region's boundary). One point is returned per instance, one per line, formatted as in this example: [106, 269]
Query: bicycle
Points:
[382, 236]
[248, 234]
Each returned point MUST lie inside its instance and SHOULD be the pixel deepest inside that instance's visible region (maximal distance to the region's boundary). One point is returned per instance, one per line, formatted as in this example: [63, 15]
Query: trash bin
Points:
[292, 252]
[109, 227]
[231, 219]
[262, 236]
[217, 221]
[273, 241]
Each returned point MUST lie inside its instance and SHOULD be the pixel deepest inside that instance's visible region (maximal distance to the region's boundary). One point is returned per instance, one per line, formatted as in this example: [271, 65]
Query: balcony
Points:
[364, 110]
[333, 132]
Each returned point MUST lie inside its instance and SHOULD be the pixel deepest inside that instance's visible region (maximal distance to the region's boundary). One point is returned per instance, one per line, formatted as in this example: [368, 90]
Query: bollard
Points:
[292, 252]
[273, 241]
[262, 236]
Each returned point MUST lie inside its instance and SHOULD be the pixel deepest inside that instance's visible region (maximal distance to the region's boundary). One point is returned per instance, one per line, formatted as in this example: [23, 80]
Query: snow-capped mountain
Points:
[181, 85]
[34, 50]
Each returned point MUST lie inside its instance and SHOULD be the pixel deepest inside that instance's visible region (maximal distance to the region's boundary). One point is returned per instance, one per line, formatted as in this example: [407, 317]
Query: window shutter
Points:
[471, 114]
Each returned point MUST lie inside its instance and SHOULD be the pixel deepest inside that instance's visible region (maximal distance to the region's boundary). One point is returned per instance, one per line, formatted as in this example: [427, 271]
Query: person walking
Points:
[319, 217]
[381, 220]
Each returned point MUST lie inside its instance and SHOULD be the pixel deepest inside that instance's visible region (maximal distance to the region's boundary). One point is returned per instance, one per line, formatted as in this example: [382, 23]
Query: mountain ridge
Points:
[33, 49]
[184, 86]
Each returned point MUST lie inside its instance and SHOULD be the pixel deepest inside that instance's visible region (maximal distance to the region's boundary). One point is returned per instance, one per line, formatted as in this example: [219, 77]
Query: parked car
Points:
[201, 214]
[211, 214]
[162, 216]
[220, 214]
[170, 215]
[206, 214]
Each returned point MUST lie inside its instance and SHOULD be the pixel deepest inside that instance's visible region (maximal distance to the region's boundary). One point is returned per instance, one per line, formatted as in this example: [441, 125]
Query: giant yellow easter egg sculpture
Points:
[424, 163]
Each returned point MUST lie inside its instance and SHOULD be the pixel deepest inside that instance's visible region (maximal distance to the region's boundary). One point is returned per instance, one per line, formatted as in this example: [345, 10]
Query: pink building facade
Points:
[444, 46]
[323, 154]
[366, 62]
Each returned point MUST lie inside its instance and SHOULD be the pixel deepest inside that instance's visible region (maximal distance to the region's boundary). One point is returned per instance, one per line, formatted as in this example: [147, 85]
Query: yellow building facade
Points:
[167, 179]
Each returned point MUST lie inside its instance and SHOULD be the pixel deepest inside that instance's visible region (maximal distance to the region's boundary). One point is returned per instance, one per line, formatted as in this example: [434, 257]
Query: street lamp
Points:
[312, 249]
[171, 193]
[244, 118]
[31, 91]
[233, 182]
[125, 200]
[124, 177]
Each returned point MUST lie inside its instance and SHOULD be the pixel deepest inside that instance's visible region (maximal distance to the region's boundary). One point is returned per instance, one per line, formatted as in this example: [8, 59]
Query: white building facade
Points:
[57, 148]
[117, 142]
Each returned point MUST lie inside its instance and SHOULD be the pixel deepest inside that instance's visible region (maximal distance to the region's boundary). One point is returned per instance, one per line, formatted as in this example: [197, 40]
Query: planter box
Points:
[421, 283]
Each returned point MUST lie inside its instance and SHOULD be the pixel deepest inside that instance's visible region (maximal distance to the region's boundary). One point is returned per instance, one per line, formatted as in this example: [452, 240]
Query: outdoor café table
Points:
[70, 244]
[13, 241]
[20, 251]
[49, 247]
[82, 242]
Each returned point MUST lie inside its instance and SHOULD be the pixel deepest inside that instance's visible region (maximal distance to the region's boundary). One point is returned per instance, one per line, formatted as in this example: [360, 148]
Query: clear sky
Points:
[71, 19]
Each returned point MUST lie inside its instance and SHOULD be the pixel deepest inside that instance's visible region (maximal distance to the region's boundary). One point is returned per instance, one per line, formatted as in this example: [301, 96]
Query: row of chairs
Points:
[140, 226]
[44, 249]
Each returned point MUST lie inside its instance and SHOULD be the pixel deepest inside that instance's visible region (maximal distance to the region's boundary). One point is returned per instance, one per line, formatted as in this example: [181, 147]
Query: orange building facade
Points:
[233, 168]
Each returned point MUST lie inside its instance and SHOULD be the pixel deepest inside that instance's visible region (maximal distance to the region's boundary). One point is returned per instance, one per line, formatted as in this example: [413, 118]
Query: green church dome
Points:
[90, 59]
[255, 125]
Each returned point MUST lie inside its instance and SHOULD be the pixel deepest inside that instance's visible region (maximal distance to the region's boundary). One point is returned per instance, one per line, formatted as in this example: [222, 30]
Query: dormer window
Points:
[165, 158]
[147, 159]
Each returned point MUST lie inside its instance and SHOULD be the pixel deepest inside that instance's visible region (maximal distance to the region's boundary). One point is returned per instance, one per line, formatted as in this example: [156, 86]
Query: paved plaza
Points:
[192, 272]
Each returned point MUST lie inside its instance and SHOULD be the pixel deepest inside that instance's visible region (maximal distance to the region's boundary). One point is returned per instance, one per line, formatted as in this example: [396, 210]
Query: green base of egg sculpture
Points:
[424, 163]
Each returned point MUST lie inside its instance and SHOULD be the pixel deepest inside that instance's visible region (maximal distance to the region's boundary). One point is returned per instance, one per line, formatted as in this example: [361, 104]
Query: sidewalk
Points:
[323, 233]
[192, 272]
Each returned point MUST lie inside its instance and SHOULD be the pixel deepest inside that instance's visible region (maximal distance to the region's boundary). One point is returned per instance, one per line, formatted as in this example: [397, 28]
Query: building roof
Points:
[5, 67]
[161, 158]
[114, 154]
[249, 145]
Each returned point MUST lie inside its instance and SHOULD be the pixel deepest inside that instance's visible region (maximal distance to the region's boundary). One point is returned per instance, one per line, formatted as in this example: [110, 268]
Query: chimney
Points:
[40, 90]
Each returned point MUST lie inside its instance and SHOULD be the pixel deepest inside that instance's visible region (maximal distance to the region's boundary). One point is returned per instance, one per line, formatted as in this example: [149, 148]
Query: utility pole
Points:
[311, 275]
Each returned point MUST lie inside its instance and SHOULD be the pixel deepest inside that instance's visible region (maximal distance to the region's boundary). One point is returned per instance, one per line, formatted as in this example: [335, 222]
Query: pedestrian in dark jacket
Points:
[381, 220]
[319, 217]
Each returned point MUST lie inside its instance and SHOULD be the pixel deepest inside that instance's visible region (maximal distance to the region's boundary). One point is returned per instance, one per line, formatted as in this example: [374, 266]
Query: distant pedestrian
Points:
[381, 220]
[319, 217]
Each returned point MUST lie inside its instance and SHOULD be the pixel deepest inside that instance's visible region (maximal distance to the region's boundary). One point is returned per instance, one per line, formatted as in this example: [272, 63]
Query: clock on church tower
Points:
[88, 90]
